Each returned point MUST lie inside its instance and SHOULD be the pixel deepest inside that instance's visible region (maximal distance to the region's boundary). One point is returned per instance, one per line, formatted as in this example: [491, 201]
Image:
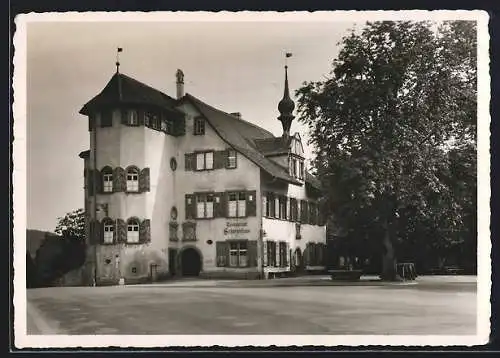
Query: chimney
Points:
[180, 83]
[236, 114]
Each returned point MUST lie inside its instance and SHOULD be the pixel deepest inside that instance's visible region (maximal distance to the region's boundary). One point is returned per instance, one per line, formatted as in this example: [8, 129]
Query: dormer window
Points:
[199, 126]
[296, 167]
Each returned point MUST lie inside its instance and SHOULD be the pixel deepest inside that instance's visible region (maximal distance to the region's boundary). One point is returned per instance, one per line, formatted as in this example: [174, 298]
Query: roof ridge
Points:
[144, 84]
[232, 116]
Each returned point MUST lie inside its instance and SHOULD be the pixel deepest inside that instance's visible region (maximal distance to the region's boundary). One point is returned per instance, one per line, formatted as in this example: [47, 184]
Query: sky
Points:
[234, 66]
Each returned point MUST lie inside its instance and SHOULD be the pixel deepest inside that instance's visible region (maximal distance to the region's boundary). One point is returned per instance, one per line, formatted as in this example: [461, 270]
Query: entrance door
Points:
[172, 264]
[299, 265]
[190, 262]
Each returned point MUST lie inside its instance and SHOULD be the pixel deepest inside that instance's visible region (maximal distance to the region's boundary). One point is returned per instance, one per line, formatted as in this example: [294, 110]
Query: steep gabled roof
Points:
[126, 90]
[273, 146]
[240, 135]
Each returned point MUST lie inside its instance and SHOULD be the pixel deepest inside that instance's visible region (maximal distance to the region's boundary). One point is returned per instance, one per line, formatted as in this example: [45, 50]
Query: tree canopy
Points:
[72, 224]
[394, 128]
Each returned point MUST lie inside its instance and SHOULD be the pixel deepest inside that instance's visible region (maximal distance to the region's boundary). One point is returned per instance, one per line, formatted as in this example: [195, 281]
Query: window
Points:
[133, 231]
[109, 228]
[170, 126]
[293, 167]
[205, 206]
[132, 118]
[238, 254]
[107, 180]
[301, 169]
[107, 119]
[231, 159]
[152, 119]
[155, 121]
[293, 209]
[205, 161]
[270, 205]
[132, 179]
[283, 254]
[199, 126]
[236, 207]
[276, 213]
[282, 207]
[271, 253]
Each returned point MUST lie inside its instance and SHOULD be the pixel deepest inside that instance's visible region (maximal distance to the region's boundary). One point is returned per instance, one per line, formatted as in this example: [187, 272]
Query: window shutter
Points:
[219, 205]
[145, 231]
[264, 256]
[287, 255]
[219, 159]
[225, 160]
[190, 206]
[307, 255]
[144, 180]
[304, 212]
[90, 182]
[251, 209]
[91, 123]
[222, 253]
[252, 253]
[121, 231]
[98, 179]
[119, 180]
[115, 234]
[189, 161]
[277, 254]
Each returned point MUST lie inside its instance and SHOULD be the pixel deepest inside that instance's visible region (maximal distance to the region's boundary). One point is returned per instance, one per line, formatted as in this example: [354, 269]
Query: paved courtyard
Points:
[431, 306]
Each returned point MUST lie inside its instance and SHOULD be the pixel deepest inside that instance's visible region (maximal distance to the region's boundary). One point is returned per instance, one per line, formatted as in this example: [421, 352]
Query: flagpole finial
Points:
[118, 50]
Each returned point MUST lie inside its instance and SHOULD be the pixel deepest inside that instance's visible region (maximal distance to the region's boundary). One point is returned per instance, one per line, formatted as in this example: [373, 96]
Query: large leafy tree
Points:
[390, 125]
[72, 225]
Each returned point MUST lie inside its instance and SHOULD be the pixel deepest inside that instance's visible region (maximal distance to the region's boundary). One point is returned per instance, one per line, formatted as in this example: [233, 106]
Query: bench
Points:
[452, 270]
[345, 275]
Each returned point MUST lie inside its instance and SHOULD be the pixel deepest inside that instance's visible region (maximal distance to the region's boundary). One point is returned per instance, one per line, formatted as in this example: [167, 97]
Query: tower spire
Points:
[286, 105]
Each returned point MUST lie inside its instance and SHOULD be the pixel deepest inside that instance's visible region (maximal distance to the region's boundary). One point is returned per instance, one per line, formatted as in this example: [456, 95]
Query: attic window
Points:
[199, 126]
[132, 118]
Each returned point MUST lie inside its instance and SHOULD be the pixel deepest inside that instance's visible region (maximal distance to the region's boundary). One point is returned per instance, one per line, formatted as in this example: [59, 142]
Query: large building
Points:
[176, 187]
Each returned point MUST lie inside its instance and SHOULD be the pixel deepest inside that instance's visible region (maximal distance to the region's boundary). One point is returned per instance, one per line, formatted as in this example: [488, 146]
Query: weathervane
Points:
[288, 54]
[118, 59]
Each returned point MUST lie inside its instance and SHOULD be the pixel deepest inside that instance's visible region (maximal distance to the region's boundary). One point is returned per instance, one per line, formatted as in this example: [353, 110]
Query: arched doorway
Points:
[190, 262]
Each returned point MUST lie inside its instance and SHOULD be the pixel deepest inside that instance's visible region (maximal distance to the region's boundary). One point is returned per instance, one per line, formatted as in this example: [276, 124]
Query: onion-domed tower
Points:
[286, 107]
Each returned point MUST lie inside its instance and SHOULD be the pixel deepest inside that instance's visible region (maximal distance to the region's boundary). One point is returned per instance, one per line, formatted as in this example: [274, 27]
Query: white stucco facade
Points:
[174, 239]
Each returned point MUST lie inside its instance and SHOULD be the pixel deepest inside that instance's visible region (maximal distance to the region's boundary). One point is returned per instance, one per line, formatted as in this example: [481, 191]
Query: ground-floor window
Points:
[283, 254]
[270, 253]
[238, 254]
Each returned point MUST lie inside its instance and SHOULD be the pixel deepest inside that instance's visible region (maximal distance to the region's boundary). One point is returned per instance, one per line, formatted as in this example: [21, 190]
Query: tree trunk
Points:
[388, 259]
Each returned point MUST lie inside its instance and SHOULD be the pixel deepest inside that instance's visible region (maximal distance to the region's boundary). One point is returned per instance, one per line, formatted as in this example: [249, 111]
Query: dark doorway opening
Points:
[299, 264]
[190, 262]
[172, 264]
